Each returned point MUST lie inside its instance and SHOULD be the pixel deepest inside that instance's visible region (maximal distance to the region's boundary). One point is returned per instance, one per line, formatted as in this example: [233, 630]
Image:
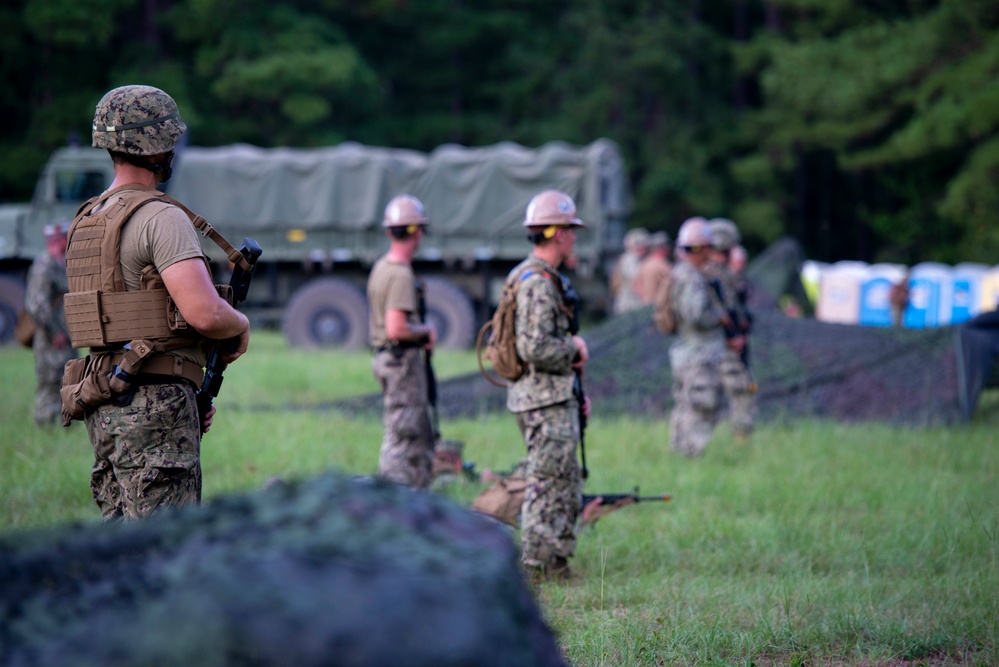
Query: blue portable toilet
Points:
[966, 287]
[839, 292]
[929, 295]
[875, 291]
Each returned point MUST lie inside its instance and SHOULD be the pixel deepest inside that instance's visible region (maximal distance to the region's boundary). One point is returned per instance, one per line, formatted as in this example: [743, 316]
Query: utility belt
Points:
[112, 376]
[397, 349]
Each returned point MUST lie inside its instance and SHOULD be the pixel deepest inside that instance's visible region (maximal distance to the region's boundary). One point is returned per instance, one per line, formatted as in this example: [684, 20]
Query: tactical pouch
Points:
[85, 386]
[502, 500]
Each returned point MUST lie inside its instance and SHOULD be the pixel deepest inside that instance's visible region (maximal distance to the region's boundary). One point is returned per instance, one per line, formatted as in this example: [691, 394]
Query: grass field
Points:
[820, 544]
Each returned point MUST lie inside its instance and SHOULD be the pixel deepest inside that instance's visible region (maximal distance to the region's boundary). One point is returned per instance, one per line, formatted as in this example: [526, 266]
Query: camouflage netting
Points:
[804, 368]
[332, 572]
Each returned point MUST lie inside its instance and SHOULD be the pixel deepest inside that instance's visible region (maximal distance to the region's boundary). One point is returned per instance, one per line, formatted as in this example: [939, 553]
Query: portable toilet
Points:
[811, 273]
[839, 292]
[929, 296]
[875, 293]
[966, 282]
[988, 297]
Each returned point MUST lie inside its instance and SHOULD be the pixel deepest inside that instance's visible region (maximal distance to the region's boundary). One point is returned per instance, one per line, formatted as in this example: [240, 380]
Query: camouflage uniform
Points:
[737, 380]
[147, 440]
[47, 283]
[407, 450]
[695, 358]
[625, 297]
[548, 416]
[147, 451]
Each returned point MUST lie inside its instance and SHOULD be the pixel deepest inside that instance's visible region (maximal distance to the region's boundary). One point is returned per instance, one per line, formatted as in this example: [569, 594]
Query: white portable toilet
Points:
[839, 292]
[988, 297]
[875, 293]
[966, 287]
[929, 295]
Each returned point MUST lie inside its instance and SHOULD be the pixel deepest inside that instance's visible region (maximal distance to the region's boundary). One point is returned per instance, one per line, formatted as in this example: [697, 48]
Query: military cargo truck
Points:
[317, 214]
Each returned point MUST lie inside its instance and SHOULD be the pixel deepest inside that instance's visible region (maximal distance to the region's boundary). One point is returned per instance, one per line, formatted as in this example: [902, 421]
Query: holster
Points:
[128, 367]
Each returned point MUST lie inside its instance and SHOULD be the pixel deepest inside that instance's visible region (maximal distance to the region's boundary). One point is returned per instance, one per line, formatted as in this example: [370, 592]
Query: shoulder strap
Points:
[151, 194]
[210, 232]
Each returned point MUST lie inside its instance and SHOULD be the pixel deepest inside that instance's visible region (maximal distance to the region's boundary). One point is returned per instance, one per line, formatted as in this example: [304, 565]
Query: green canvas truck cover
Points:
[335, 196]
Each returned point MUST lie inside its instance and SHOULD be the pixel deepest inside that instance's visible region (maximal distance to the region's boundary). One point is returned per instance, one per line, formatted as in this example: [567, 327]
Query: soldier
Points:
[547, 410]
[696, 353]
[732, 291]
[139, 279]
[397, 335]
[654, 268]
[43, 302]
[622, 279]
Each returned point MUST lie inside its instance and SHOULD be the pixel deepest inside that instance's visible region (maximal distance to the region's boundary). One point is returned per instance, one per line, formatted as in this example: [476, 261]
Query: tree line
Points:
[866, 129]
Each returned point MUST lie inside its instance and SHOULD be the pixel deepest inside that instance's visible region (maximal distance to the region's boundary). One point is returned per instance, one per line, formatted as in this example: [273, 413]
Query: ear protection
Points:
[403, 232]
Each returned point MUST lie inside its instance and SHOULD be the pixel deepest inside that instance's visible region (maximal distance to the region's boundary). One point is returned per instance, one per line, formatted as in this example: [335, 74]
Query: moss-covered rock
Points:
[332, 571]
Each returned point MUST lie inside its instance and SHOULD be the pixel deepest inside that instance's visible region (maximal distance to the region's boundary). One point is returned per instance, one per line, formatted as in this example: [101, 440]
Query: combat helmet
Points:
[403, 211]
[137, 120]
[55, 230]
[694, 232]
[404, 215]
[635, 239]
[659, 239]
[552, 208]
[725, 233]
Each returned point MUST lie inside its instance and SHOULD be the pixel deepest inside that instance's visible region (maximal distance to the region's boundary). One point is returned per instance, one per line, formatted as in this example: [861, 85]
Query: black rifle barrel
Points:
[239, 281]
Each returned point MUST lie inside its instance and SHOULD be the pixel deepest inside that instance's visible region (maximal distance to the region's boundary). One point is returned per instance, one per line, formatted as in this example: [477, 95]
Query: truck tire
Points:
[11, 303]
[327, 312]
[451, 312]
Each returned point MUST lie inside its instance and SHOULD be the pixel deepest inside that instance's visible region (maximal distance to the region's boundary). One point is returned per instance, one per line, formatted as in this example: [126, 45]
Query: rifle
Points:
[596, 506]
[421, 309]
[738, 326]
[571, 302]
[239, 282]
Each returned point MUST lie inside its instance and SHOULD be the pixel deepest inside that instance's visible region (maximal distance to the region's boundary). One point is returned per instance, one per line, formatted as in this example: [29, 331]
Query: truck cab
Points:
[70, 177]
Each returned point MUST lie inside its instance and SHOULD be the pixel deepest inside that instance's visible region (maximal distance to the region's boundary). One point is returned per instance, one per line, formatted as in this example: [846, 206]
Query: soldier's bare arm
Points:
[190, 286]
[397, 327]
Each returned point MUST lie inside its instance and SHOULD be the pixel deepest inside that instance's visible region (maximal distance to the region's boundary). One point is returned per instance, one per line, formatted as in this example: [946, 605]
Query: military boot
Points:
[558, 570]
[534, 576]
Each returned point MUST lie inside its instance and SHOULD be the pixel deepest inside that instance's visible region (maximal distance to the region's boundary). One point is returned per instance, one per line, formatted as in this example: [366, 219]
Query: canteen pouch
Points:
[85, 386]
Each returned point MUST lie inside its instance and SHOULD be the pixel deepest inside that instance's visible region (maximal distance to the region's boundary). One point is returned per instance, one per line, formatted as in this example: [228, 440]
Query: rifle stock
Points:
[612, 498]
[239, 281]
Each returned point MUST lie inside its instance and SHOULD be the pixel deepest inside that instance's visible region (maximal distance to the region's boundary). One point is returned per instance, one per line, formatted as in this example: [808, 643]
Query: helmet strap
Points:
[164, 168]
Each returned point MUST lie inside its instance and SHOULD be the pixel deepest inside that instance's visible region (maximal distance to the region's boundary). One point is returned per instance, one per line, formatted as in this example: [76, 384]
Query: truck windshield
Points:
[78, 186]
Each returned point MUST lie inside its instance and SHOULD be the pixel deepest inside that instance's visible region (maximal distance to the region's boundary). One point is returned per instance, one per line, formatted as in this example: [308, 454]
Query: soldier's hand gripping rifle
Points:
[571, 303]
[240, 284]
[596, 506]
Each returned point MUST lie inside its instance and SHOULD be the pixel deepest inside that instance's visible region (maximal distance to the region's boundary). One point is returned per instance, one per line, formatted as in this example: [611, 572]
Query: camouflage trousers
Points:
[740, 390]
[50, 363]
[696, 405]
[147, 453]
[552, 498]
[407, 452]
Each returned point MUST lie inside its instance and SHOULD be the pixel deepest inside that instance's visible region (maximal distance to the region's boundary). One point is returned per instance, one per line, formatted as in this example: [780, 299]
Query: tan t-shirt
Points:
[390, 285]
[162, 235]
[157, 234]
[652, 273]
